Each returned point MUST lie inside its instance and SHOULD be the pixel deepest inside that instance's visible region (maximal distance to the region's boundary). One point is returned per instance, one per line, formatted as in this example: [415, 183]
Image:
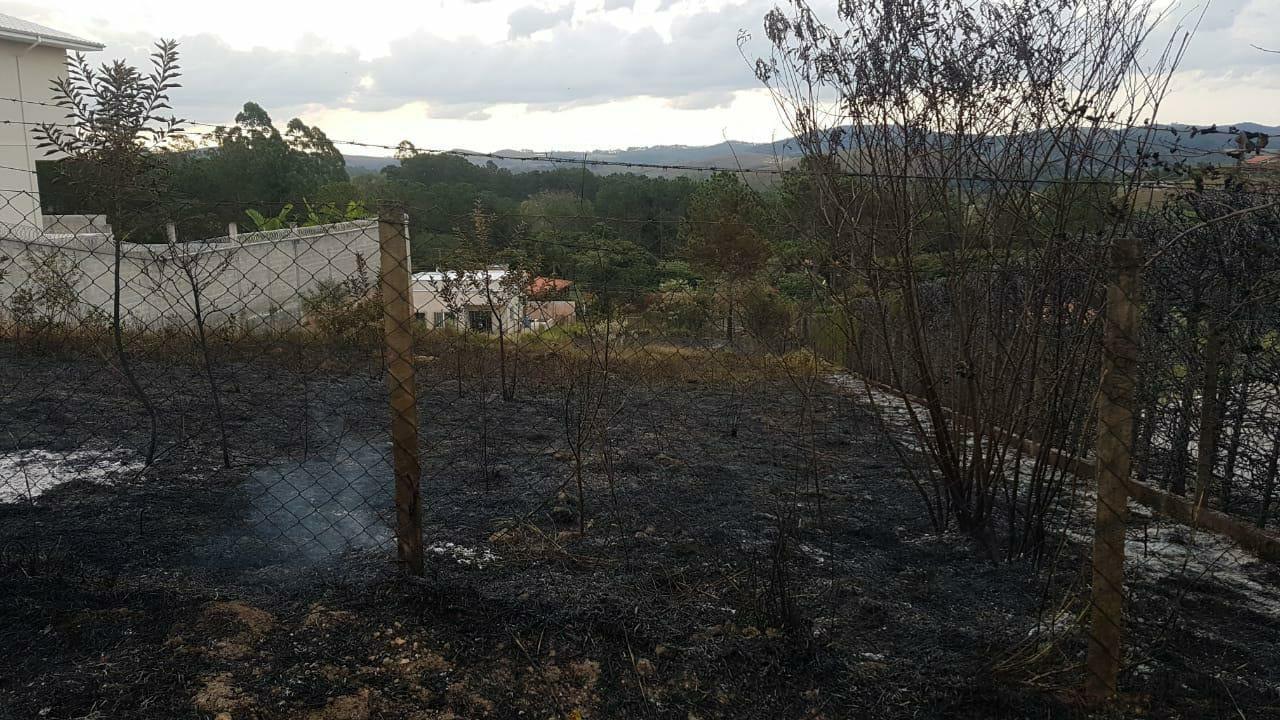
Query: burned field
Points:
[719, 561]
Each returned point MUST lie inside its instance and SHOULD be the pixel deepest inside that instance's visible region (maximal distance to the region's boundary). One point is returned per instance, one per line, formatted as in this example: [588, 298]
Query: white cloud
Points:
[635, 121]
[529, 20]
[702, 100]
[488, 73]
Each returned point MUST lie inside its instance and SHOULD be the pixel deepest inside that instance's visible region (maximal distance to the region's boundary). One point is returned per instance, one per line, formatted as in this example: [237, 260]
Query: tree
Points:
[556, 212]
[646, 209]
[722, 237]
[254, 164]
[405, 150]
[610, 269]
[956, 115]
[200, 271]
[116, 116]
[496, 276]
[1211, 310]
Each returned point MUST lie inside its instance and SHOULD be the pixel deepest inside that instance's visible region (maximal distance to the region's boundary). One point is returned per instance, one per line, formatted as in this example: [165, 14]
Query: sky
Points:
[552, 74]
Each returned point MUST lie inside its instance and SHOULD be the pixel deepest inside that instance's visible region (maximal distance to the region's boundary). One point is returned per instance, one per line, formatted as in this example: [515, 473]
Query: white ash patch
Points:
[27, 474]
[1154, 547]
[1165, 549]
[1157, 548]
[462, 554]
[891, 408]
[818, 555]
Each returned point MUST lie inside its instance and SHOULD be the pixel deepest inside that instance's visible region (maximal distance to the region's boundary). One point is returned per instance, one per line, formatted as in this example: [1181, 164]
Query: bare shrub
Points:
[348, 310]
[966, 166]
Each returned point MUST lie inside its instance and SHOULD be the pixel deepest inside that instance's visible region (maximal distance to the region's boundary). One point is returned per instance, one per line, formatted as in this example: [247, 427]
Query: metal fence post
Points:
[1114, 457]
[401, 386]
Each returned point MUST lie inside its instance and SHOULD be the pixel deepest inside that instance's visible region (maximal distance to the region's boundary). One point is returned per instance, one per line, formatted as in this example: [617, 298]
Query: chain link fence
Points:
[578, 420]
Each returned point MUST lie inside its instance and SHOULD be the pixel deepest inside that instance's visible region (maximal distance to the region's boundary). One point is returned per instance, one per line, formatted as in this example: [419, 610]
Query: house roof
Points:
[539, 286]
[436, 276]
[25, 31]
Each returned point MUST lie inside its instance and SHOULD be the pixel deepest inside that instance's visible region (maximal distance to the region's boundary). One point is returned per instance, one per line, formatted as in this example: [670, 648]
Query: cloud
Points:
[1221, 14]
[529, 20]
[550, 64]
[587, 63]
[574, 66]
[217, 80]
[619, 5]
[702, 100]
[1223, 42]
[459, 111]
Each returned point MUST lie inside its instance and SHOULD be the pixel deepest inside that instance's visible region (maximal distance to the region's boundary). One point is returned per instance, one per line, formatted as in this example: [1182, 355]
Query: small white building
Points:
[31, 57]
[490, 300]
[478, 300]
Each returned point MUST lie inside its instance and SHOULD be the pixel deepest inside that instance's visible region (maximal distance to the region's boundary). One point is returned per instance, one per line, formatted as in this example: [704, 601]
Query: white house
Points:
[488, 300]
[478, 300]
[31, 57]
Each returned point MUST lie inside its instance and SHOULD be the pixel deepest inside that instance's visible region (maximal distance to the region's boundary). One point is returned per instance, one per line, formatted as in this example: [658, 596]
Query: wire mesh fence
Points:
[153, 356]
[576, 413]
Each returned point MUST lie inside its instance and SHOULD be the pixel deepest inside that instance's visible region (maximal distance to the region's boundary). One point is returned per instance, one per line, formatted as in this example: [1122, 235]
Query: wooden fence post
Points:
[1114, 456]
[397, 303]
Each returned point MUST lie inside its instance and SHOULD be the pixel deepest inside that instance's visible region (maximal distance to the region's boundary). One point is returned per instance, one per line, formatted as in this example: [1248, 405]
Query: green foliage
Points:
[1087, 207]
[348, 310]
[277, 222]
[678, 270]
[552, 221]
[827, 334]
[684, 309]
[328, 213]
[543, 210]
[766, 316]
[320, 214]
[722, 229]
[557, 212]
[800, 287]
[646, 210]
[115, 116]
[49, 299]
[252, 160]
[612, 268]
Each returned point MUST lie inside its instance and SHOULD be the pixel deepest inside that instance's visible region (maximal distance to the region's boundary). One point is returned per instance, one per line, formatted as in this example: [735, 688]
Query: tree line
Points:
[627, 230]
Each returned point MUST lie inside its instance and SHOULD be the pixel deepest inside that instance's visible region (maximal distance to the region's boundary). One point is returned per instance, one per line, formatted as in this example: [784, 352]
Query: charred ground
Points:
[732, 566]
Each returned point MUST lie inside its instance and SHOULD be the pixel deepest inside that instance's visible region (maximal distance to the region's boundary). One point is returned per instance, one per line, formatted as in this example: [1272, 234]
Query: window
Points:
[440, 319]
[420, 317]
[480, 320]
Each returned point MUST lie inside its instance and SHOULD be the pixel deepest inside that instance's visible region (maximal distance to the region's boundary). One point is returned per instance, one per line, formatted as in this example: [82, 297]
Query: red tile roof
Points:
[540, 286]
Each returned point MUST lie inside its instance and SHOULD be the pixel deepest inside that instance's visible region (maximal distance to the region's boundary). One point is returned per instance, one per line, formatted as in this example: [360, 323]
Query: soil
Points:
[719, 562]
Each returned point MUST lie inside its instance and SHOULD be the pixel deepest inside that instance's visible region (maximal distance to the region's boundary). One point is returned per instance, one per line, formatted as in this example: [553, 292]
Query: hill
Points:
[1205, 146]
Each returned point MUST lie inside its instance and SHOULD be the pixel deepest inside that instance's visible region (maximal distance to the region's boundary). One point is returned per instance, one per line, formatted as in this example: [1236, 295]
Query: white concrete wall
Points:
[74, 224]
[25, 73]
[545, 313]
[259, 280]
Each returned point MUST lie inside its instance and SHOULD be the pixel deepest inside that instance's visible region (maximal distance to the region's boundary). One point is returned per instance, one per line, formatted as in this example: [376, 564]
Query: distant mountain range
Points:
[725, 154]
[1206, 147]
